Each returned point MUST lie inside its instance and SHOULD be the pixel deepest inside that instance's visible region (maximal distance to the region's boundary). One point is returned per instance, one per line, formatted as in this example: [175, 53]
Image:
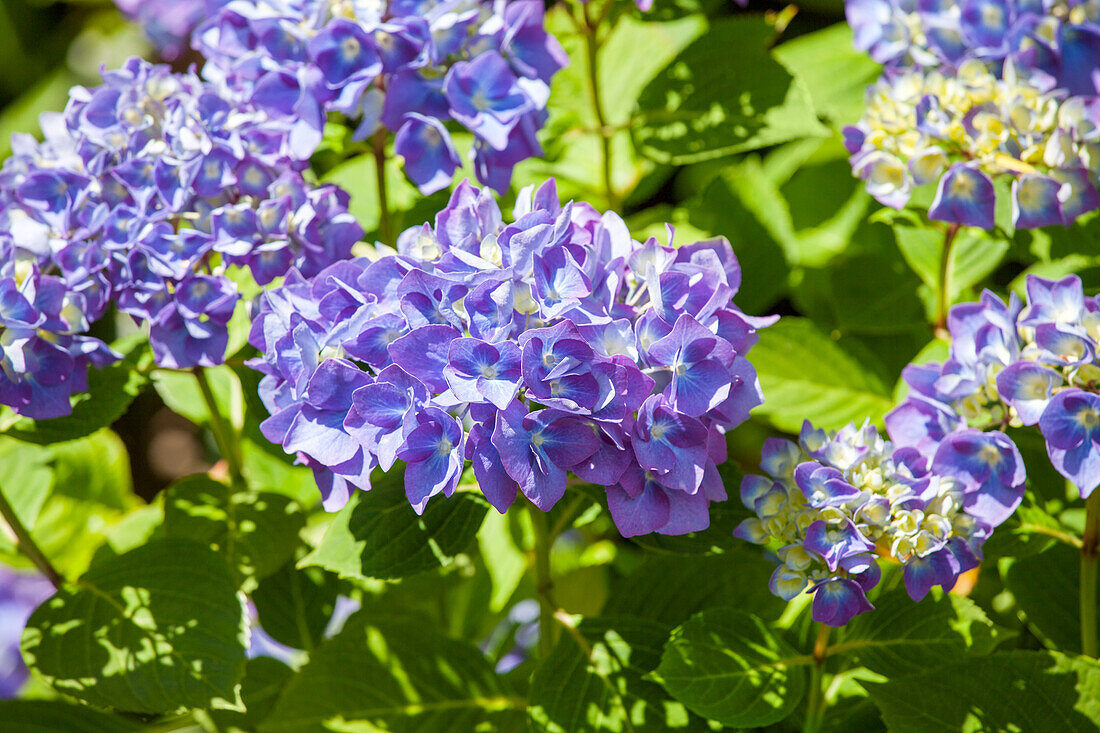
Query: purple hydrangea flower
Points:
[833, 502]
[406, 67]
[145, 191]
[1011, 364]
[535, 349]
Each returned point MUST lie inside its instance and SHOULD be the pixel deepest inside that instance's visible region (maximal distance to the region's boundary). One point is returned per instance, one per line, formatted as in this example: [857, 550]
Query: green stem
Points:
[385, 220]
[224, 434]
[1089, 543]
[27, 544]
[592, 47]
[544, 583]
[943, 293]
[815, 706]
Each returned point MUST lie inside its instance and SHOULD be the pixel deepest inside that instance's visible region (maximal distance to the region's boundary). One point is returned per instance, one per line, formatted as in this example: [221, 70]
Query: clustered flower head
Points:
[145, 190]
[551, 345]
[961, 131]
[168, 23]
[408, 66]
[834, 503]
[1018, 364]
[1058, 38]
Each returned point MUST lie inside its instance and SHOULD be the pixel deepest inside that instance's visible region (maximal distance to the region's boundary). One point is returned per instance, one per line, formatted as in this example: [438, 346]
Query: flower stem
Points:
[385, 220]
[224, 434]
[1089, 545]
[943, 292]
[544, 583]
[27, 544]
[592, 47]
[815, 706]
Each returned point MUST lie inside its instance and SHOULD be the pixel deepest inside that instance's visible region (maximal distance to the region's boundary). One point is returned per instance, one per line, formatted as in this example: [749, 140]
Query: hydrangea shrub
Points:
[495, 365]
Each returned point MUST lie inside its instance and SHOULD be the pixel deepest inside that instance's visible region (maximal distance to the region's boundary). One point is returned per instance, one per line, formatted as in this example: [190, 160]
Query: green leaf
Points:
[57, 716]
[264, 680]
[806, 375]
[25, 479]
[1017, 691]
[595, 682]
[257, 530]
[500, 540]
[836, 74]
[389, 672]
[902, 637]
[727, 665]
[1047, 590]
[180, 391]
[670, 589]
[710, 102]
[110, 392]
[573, 148]
[975, 253]
[378, 535]
[155, 629]
[295, 605]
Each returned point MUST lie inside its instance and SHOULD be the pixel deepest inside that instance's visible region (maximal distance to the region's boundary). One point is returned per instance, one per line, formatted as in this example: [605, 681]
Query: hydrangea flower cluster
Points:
[833, 503]
[961, 131]
[145, 190]
[555, 344]
[168, 23]
[1060, 38]
[408, 66]
[1016, 364]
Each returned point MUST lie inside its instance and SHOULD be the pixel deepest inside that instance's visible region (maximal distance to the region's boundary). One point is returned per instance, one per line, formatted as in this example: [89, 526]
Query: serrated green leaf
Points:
[836, 74]
[57, 716]
[806, 375]
[670, 589]
[1011, 691]
[295, 605]
[595, 682]
[153, 630]
[902, 637]
[728, 666]
[110, 391]
[378, 535]
[708, 102]
[393, 673]
[256, 530]
[1046, 586]
[263, 682]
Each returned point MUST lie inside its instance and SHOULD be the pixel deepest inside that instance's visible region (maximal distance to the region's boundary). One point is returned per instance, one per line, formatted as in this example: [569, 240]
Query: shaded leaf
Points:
[902, 637]
[56, 716]
[728, 666]
[152, 630]
[709, 102]
[597, 684]
[264, 680]
[1020, 690]
[670, 589]
[295, 605]
[378, 535]
[393, 673]
[256, 530]
[1047, 589]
